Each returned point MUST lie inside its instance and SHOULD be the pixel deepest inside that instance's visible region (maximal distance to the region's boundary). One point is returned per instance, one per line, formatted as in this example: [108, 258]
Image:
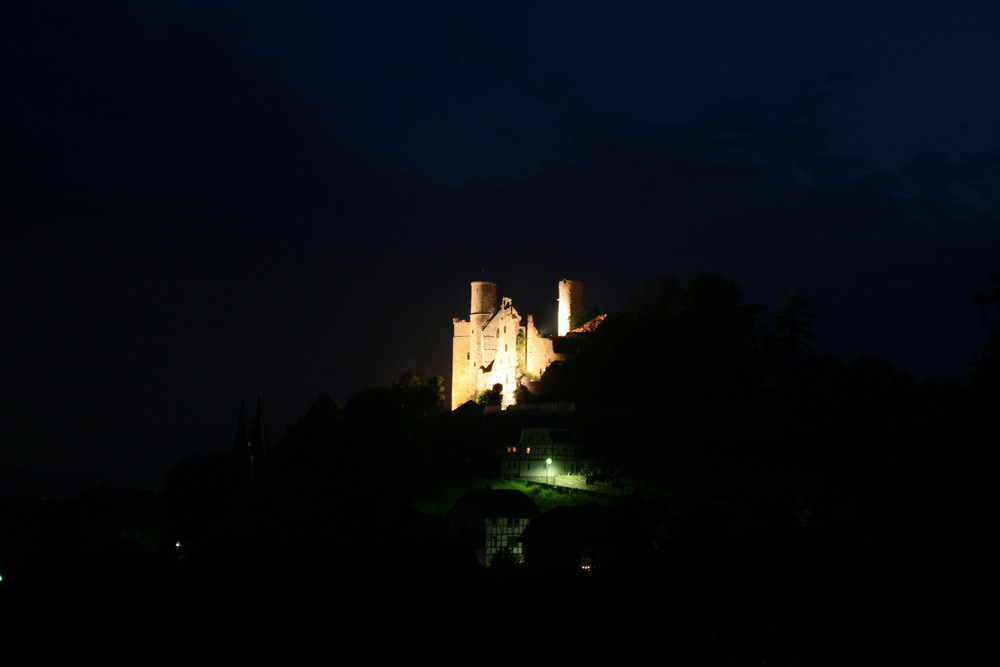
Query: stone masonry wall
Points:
[486, 350]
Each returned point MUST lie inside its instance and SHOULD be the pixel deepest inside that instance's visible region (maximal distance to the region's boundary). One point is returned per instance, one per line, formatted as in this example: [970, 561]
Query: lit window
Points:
[528, 450]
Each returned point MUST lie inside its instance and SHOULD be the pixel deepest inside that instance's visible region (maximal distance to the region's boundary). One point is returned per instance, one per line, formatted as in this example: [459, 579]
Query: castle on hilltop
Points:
[496, 346]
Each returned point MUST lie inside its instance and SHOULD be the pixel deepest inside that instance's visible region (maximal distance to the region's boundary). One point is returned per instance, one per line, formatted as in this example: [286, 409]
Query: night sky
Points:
[206, 199]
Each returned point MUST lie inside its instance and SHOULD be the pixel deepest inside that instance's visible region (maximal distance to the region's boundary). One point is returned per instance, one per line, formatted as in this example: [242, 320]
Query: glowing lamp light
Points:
[548, 462]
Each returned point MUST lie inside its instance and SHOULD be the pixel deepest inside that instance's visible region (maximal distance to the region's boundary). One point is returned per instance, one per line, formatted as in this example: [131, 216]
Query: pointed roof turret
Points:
[241, 444]
[258, 433]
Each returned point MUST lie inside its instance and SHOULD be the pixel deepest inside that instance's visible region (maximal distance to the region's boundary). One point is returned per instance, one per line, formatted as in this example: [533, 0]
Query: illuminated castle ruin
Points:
[498, 346]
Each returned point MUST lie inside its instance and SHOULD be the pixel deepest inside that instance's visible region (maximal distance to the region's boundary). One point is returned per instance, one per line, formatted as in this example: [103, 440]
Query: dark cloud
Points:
[827, 166]
[751, 190]
[186, 221]
[494, 59]
[120, 118]
[477, 49]
[179, 228]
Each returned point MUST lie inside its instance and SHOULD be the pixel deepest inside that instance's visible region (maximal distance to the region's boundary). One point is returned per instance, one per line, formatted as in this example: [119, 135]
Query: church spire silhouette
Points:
[258, 433]
[241, 443]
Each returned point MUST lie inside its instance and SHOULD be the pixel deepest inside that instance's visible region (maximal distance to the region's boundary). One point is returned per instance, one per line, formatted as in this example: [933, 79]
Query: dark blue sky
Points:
[208, 199]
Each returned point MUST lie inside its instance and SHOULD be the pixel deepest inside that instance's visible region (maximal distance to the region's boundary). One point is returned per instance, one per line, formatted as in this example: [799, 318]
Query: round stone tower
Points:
[484, 303]
[570, 303]
[484, 300]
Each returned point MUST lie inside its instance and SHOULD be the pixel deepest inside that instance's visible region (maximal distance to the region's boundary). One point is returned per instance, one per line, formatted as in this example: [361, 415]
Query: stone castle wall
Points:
[500, 351]
[461, 364]
[496, 346]
[539, 350]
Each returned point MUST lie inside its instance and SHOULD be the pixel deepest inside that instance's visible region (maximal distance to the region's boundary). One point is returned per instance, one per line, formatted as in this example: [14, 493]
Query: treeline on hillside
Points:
[685, 388]
[792, 506]
[363, 458]
[690, 386]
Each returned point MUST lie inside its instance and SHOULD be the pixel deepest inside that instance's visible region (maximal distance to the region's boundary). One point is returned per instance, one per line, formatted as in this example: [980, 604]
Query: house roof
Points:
[590, 325]
[579, 525]
[546, 436]
[502, 312]
[493, 503]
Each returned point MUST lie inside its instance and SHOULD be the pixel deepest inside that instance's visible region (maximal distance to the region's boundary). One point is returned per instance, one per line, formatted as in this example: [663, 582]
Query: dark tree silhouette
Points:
[320, 428]
[786, 352]
[492, 396]
[986, 366]
[585, 315]
[793, 324]
[667, 371]
[504, 561]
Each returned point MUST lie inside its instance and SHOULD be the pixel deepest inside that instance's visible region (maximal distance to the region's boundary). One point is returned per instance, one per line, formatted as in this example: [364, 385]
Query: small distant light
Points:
[178, 544]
